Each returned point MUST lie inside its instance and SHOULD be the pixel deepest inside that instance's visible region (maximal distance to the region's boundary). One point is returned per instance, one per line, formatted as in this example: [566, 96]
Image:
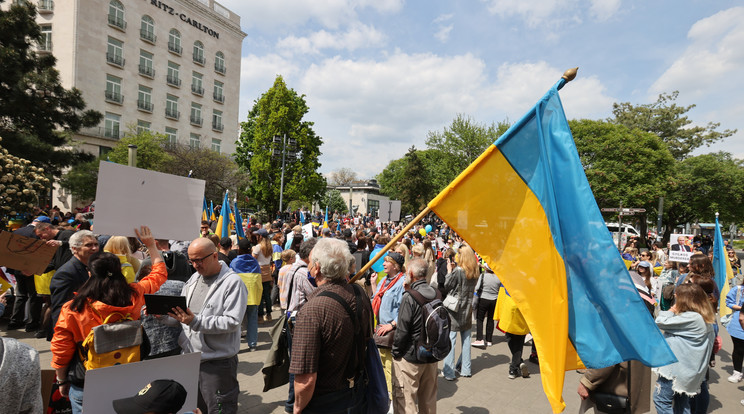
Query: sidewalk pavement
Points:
[489, 390]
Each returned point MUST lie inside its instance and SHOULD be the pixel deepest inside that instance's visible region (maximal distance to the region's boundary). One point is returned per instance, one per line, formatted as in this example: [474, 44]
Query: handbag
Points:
[378, 400]
[726, 319]
[451, 302]
[384, 341]
[610, 403]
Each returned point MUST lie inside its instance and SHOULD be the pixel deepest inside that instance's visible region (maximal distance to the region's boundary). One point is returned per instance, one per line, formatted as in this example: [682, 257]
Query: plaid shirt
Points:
[324, 335]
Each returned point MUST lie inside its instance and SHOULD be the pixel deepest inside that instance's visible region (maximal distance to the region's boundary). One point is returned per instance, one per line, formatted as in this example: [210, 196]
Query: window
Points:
[172, 78]
[111, 125]
[113, 89]
[103, 150]
[196, 83]
[116, 15]
[194, 141]
[145, 64]
[217, 120]
[144, 99]
[373, 206]
[216, 144]
[142, 126]
[219, 63]
[171, 107]
[196, 116]
[174, 41]
[45, 43]
[147, 29]
[172, 135]
[45, 6]
[115, 52]
[217, 94]
[199, 53]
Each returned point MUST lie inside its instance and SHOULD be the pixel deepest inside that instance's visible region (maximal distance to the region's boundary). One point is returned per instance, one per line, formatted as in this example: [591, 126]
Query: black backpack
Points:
[434, 341]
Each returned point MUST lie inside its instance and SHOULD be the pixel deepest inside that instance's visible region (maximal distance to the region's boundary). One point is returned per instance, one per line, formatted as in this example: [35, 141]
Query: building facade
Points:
[363, 197]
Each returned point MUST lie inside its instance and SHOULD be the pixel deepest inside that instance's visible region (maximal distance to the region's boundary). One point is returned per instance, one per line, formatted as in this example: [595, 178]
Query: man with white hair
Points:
[324, 352]
[71, 275]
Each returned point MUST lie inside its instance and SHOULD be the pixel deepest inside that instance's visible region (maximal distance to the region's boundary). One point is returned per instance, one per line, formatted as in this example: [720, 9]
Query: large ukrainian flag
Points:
[526, 207]
[722, 268]
[223, 222]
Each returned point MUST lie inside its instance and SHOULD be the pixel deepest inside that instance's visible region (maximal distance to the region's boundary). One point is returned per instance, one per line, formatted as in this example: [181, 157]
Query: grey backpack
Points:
[434, 341]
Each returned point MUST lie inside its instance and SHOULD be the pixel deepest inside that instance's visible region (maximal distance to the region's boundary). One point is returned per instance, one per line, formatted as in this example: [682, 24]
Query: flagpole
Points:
[387, 247]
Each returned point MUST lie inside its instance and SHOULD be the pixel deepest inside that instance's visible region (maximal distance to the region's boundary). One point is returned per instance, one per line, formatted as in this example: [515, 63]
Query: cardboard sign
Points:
[25, 253]
[104, 385]
[128, 197]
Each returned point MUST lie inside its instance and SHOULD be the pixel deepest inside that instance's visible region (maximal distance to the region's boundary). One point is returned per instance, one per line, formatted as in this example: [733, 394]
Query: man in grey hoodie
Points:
[216, 300]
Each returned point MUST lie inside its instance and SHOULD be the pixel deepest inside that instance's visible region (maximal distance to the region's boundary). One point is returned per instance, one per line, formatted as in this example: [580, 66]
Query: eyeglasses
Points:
[199, 261]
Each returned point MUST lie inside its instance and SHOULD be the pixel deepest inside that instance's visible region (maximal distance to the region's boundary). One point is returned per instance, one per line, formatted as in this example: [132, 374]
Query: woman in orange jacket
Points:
[105, 292]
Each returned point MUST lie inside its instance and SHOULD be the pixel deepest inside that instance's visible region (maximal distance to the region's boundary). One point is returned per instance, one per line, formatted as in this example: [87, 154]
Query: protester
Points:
[263, 253]
[625, 380]
[215, 305]
[20, 378]
[119, 245]
[288, 259]
[414, 381]
[688, 330]
[487, 290]
[460, 283]
[226, 252]
[247, 267]
[734, 300]
[324, 355]
[106, 292]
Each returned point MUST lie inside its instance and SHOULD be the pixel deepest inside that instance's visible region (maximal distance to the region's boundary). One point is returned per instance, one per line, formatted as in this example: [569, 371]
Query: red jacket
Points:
[73, 327]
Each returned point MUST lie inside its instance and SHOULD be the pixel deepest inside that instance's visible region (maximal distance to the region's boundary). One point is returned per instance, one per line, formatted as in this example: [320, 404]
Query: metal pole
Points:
[132, 161]
[658, 223]
[281, 188]
[620, 227]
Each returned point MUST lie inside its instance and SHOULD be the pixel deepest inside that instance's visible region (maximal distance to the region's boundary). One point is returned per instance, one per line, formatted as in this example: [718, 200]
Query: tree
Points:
[415, 184]
[21, 184]
[334, 202]
[37, 115]
[342, 176]
[668, 121]
[280, 111]
[151, 153]
[82, 180]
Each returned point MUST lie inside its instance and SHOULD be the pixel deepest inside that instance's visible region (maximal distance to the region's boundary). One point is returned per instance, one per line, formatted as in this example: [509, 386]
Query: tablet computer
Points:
[161, 305]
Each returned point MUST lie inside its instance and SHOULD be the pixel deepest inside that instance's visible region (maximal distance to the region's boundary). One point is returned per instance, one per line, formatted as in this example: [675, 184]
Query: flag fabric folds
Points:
[526, 207]
[238, 223]
[325, 222]
[722, 268]
[212, 217]
[205, 210]
[223, 222]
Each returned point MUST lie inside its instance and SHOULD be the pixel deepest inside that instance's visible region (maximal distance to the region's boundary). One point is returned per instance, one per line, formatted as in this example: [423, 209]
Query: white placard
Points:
[680, 247]
[307, 231]
[128, 197]
[104, 385]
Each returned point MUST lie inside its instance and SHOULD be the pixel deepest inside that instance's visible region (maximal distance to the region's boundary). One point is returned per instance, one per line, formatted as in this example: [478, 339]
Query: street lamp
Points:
[288, 150]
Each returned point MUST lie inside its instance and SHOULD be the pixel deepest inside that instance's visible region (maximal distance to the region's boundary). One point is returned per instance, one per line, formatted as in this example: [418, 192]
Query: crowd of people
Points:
[284, 273]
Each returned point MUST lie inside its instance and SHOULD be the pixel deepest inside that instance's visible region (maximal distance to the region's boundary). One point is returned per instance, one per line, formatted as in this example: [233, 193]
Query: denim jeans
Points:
[463, 362]
[76, 399]
[667, 401]
[251, 325]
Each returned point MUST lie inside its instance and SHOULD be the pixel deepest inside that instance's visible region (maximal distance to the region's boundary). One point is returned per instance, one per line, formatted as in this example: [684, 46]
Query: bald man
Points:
[216, 300]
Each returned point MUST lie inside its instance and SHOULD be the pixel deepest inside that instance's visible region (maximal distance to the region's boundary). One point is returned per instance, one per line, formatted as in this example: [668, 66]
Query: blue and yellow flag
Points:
[325, 222]
[722, 268]
[223, 223]
[526, 207]
[238, 223]
[205, 210]
[212, 217]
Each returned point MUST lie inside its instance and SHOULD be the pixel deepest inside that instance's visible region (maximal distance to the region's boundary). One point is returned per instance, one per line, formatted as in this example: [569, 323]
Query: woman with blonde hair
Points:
[689, 332]
[403, 250]
[460, 284]
[263, 253]
[130, 265]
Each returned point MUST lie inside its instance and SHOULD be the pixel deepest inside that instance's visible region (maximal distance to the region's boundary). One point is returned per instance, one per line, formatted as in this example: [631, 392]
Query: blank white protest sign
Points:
[128, 197]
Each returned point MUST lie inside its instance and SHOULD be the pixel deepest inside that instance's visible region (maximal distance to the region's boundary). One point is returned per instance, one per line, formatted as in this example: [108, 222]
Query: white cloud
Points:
[277, 15]
[443, 33]
[553, 13]
[604, 9]
[357, 36]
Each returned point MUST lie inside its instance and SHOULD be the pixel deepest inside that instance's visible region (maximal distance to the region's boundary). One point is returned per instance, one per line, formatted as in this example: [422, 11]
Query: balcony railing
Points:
[147, 71]
[144, 105]
[172, 113]
[219, 69]
[46, 6]
[195, 120]
[116, 97]
[217, 126]
[175, 48]
[196, 89]
[117, 22]
[218, 97]
[101, 132]
[115, 59]
[173, 80]
[111, 133]
[199, 58]
[148, 36]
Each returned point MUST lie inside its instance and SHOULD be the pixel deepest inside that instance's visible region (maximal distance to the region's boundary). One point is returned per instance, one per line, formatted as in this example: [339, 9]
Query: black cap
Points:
[160, 396]
[397, 258]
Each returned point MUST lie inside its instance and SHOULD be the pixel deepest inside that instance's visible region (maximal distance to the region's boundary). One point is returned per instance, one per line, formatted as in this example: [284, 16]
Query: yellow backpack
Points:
[113, 343]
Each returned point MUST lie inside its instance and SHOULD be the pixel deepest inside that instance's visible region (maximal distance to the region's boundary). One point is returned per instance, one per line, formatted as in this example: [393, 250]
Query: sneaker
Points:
[533, 359]
[449, 379]
[742, 402]
[736, 377]
[513, 374]
[523, 370]
[489, 343]
[478, 344]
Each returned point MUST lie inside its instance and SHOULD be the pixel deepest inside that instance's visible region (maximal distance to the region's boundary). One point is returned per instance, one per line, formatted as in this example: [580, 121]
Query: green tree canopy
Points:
[277, 112]
[37, 114]
[151, 153]
[334, 202]
[669, 121]
[415, 186]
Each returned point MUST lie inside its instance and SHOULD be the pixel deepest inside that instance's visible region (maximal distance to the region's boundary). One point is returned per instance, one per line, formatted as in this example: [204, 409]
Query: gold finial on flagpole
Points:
[570, 74]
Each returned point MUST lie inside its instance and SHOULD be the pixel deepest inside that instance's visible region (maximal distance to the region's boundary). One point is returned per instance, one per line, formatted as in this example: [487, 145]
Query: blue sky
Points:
[379, 74]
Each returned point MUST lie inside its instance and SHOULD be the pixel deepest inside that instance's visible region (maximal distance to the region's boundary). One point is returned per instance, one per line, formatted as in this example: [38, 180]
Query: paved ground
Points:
[488, 391]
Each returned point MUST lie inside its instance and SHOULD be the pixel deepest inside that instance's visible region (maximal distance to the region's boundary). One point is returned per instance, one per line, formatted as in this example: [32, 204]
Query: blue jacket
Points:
[734, 328]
